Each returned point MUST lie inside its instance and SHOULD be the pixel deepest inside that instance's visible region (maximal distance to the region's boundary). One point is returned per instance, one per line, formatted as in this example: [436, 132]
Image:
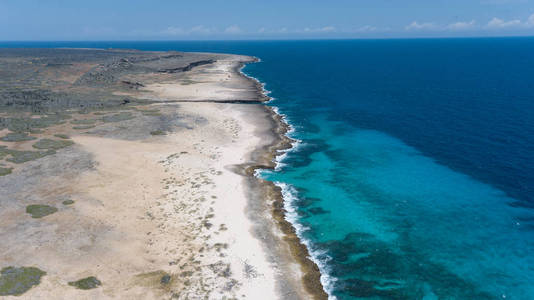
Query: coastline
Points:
[265, 159]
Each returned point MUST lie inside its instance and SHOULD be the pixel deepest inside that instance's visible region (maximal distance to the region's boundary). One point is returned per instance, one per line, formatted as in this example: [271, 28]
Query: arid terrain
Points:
[126, 174]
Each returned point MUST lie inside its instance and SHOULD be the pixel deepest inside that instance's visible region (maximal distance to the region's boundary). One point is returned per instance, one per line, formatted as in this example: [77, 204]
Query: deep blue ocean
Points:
[413, 174]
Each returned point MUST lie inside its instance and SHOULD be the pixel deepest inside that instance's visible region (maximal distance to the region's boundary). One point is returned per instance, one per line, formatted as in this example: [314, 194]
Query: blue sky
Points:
[253, 19]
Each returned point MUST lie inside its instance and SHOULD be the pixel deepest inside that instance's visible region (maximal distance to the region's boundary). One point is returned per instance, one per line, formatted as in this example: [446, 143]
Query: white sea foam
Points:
[264, 91]
[290, 196]
[320, 258]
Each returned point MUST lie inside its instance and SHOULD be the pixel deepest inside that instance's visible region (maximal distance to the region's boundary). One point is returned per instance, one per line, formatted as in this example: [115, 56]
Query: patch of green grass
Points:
[154, 110]
[158, 132]
[5, 171]
[19, 157]
[52, 144]
[31, 124]
[123, 116]
[68, 202]
[3, 152]
[17, 137]
[151, 114]
[62, 136]
[188, 82]
[83, 127]
[17, 281]
[86, 283]
[83, 122]
[39, 210]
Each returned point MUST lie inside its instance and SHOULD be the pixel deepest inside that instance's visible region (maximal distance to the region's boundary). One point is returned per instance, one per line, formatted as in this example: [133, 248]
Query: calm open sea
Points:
[413, 177]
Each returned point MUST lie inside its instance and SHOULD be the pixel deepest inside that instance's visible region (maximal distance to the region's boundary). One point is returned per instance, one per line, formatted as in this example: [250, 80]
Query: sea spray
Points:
[320, 258]
[289, 195]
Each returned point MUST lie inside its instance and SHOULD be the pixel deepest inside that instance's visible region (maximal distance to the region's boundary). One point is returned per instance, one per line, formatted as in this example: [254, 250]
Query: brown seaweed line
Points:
[311, 274]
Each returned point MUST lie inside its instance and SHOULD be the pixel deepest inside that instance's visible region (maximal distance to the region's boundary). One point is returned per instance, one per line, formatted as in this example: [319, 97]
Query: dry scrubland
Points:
[125, 174]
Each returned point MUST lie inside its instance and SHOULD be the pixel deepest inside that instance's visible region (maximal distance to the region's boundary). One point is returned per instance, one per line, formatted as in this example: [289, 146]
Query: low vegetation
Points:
[39, 210]
[122, 116]
[83, 122]
[19, 157]
[87, 283]
[17, 137]
[52, 144]
[5, 171]
[158, 132]
[17, 281]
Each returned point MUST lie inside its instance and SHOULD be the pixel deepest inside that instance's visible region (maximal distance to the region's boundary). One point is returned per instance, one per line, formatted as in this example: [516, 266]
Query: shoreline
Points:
[266, 160]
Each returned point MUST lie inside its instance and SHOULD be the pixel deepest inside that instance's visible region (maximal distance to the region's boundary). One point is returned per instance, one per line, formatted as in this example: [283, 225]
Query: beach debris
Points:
[87, 283]
[40, 210]
[16, 281]
[68, 202]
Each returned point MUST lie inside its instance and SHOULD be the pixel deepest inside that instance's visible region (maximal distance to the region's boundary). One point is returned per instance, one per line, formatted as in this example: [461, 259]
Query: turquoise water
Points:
[413, 173]
[386, 221]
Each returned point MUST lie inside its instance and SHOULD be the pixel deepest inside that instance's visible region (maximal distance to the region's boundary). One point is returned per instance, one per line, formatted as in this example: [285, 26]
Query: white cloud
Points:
[234, 29]
[318, 30]
[461, 25]
[366, 28]
[420, 26]
[271, 31]
[201, 29]
[171, 30]
[326, 29]
[176, 31]
[497, 23]
[530, 21]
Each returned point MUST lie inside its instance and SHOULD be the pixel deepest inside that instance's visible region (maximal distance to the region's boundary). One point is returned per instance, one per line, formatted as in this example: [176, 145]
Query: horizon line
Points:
[275, 39]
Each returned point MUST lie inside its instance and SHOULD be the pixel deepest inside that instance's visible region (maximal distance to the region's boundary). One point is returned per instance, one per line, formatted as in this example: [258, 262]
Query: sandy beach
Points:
[157, 200]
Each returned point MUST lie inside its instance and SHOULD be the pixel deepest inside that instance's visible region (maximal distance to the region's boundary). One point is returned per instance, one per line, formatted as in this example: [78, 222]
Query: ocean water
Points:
[413, 172]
